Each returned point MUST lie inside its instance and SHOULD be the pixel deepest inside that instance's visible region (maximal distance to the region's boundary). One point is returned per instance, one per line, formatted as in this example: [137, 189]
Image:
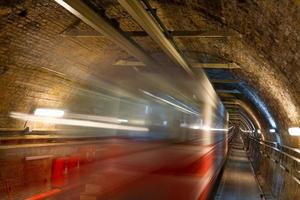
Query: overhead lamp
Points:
[294, 131]
[48, 112]
[272, 130]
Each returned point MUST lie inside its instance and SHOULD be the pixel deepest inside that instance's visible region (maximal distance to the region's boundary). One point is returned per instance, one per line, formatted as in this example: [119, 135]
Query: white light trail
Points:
[104, 119]
[206, 128]
[48, 112]
[92, 117]
[170, 103]
[74, 122]
[123, 120]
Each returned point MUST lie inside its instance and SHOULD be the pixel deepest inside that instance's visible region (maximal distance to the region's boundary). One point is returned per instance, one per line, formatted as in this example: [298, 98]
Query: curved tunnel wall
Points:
[265, 48]
[261, 42]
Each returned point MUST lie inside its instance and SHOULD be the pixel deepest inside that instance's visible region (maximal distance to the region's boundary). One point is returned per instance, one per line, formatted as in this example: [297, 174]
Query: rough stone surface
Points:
[40, 66]
[266, 48]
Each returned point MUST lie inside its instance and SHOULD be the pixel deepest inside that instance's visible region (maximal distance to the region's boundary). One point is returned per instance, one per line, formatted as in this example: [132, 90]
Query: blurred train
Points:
[153, 131]
[155, 147]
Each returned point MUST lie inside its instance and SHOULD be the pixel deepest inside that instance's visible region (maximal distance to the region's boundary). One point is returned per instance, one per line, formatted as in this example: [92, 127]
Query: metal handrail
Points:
[278, 149]
[286, 161]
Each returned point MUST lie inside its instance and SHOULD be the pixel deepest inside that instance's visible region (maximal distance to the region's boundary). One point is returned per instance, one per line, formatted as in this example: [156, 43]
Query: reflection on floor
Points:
[238, 181]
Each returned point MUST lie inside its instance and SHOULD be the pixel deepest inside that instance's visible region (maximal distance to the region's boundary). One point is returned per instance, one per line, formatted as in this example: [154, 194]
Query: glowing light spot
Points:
[123, 120]
[75, 122]
[47, 112]
[294, 131]
[259, 131]
[272, 130]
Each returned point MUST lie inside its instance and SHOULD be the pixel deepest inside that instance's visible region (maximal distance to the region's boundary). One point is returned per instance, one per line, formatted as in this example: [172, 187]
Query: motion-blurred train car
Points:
[152, 147]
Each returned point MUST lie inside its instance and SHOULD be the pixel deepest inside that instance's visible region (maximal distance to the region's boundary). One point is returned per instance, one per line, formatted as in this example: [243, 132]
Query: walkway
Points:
[238, 181]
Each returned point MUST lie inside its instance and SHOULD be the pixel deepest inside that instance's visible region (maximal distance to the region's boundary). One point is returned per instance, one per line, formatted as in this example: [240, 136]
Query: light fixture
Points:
[48, 112]
[272, 130]
[295, 131]
[259, 131]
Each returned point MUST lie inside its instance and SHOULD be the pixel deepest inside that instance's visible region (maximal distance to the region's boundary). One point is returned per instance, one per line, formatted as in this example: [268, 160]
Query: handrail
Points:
[291, 148]
[278, 149]
[289, 166]
[296, 150]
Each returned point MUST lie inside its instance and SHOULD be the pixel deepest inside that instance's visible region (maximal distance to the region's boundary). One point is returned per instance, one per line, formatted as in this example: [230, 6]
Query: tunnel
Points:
[149, 99]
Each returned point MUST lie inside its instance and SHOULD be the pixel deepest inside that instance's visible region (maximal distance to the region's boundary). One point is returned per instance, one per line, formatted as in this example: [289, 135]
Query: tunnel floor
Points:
[238, 181]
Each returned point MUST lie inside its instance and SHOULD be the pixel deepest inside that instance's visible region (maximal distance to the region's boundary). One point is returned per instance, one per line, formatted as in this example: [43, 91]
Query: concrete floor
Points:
[238, 181]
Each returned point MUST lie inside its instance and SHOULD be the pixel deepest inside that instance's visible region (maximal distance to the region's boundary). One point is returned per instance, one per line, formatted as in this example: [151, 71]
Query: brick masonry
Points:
[39, 66]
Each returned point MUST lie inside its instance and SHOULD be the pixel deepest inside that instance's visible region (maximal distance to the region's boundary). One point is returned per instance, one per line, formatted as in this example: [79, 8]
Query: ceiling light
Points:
[295, 131]
[47, 112]
[272, 130]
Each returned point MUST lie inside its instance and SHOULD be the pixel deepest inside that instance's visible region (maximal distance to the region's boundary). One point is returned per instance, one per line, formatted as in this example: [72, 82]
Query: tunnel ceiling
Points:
[42, 42]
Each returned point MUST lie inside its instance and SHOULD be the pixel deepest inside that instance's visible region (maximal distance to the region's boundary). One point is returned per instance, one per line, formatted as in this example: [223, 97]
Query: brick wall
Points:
[42, 68]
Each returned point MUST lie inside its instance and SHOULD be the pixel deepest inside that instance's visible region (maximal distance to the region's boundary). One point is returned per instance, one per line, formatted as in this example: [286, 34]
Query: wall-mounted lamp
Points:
[294, 131]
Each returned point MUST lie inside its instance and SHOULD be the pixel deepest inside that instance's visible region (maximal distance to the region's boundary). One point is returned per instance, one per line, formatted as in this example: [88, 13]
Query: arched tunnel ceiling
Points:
[261, 37]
